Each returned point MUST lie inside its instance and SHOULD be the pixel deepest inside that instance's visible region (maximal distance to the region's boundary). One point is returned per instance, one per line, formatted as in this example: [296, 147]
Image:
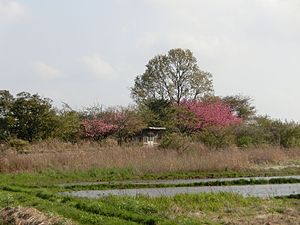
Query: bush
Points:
[275, 132]
[68, 128]
[19, 144]
[290, 136]
[249, 135]
[175, 141]
[244, 141]
[215, 137]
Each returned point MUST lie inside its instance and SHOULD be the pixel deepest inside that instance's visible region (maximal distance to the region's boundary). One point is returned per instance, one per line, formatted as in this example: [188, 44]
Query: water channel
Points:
[261, 190]
[175, 181]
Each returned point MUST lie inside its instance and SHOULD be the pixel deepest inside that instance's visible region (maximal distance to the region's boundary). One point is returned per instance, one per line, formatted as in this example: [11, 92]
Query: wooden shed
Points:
[152, 135]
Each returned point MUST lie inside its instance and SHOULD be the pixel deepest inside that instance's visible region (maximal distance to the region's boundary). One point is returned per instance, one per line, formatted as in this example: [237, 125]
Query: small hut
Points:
[152, 135]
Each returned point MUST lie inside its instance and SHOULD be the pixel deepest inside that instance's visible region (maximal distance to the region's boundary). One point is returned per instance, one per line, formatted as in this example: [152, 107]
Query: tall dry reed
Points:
[85, 156]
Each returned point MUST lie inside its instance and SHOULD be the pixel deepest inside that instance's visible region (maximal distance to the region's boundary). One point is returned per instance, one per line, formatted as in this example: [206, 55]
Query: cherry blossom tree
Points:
[123, 123]
[195, 115]
[97, 128]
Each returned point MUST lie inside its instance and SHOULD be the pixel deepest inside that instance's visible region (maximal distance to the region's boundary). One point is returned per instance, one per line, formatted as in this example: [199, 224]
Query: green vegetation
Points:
[51, 178]
[173, 92]
[30, 118]
[33, 118]
[181, 209]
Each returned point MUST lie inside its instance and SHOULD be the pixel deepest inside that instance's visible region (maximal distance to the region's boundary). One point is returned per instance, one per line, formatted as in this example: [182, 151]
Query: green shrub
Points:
[215, 138]
[249, 135]
[244, 141]
[175, 141]
[290, 136]
[68, 128]
[20, 145]
[275, 132]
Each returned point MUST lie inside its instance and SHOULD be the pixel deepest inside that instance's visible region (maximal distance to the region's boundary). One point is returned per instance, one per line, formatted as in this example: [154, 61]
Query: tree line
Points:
[173, 92]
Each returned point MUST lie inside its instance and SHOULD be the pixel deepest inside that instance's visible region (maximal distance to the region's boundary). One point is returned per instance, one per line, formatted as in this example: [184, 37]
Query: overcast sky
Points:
[85, 52]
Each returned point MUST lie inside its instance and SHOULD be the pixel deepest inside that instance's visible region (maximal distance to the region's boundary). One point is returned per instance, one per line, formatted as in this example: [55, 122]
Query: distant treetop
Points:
[173, 77]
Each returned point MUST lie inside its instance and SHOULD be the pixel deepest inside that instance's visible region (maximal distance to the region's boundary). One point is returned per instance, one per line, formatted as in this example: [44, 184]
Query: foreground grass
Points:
[38, 190]
[182, 209]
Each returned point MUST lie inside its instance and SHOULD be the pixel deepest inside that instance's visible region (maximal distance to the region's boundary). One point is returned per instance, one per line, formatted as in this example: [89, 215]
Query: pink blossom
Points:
[205, 114]
[109, 123]
[96, 128]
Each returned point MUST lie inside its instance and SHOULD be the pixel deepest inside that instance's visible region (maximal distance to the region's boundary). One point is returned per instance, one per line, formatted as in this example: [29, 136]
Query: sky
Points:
[89, 52]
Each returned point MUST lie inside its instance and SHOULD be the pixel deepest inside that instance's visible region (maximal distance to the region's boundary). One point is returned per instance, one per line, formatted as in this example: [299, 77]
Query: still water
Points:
[269, 190]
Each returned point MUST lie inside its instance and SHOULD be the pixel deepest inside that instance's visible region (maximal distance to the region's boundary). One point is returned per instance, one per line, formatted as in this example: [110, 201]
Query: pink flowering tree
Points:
[195, 115]
[127, 121]
[123, 123]
[97, 129]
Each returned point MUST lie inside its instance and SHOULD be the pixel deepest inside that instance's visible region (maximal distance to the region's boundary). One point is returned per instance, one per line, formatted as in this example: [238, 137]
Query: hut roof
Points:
[156, 128]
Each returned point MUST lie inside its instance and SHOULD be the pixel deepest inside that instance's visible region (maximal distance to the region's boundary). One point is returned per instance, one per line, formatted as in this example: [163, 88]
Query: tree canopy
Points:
[173, 77]
[34, 117]
[240, 106]
[198, 115]
[6, 119]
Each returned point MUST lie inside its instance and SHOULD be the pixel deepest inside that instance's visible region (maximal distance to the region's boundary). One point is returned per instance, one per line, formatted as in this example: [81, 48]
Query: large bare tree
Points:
[173, 77]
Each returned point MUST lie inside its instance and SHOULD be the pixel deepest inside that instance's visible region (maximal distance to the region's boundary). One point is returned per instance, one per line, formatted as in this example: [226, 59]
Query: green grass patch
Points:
[51, 177]
[40, 190]
[138, 210]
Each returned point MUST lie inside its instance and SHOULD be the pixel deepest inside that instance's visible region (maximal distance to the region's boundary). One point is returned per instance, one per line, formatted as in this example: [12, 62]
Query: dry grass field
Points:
[84, 156]
[29, 216]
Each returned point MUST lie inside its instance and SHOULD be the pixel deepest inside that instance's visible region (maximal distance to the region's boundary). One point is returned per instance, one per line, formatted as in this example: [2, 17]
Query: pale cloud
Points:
[43, 70]
[11, 10]
[207, 43]
[204, 46]
[213, 28]
[97, 66]
[217, 16]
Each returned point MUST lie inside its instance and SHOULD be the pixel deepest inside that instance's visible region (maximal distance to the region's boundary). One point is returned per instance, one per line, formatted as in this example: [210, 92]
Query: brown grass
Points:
[258, 215]
[63, 156]
[28, 216]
